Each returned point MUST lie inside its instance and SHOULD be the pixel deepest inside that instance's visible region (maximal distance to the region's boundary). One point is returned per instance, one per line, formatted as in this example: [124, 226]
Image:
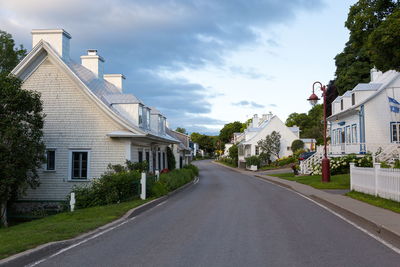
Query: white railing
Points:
[376, 181]
[306, 166]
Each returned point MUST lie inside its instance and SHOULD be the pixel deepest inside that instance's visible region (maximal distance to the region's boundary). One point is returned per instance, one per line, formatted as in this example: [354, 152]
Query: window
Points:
[147, 118]
[140, 115]
[341, 104]
[163, 159]
[348, 135]
[354, 133]
[353, 99]
[79, 165]
[159, 160]
[140, 156]
[257, 150]
[333, 137]
[395, 131]
[50, 160]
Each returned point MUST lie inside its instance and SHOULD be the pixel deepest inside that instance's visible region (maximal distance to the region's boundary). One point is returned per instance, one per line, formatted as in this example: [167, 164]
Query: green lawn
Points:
[376, 201]
[62, 226]
[340, 181]
[227, 163]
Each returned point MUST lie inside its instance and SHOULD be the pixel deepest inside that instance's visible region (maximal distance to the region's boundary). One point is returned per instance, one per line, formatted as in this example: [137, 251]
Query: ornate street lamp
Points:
[326, 173]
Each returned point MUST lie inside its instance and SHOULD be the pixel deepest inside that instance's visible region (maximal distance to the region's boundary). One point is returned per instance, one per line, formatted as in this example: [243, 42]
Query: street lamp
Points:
[326, 173]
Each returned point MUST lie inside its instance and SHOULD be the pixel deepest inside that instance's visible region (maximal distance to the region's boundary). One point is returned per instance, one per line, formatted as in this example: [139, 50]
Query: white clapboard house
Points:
[367, 118]
[258, 130]
[90, 122]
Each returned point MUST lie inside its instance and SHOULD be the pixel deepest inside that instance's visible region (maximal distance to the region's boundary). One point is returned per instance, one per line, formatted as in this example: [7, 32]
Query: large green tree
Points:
[206, 142]
[354, 63]
[383, 44]
[181, 130]
[226, 133]
[310, 124]
[21, 122]
[10, 55]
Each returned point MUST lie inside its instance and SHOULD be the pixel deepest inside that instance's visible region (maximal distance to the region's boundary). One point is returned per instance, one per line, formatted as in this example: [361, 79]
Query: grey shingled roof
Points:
[367, 87]
[121, 99]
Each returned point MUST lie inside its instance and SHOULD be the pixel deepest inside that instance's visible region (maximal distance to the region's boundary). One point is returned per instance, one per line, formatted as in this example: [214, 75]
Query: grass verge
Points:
[340, 181]
[58, 227]
[376, 201]
[226, 163]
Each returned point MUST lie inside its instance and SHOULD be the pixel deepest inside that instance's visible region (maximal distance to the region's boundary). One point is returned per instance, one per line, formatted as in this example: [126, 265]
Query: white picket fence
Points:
[376, 181]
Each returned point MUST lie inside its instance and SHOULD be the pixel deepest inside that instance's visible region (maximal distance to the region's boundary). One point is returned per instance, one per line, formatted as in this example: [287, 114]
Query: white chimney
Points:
[93, 62]
[115, 79]
[375, 74]
[255, 121]
[57, 38]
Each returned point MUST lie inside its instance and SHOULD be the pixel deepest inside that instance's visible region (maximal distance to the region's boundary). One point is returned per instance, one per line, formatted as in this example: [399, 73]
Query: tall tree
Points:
[354, 63]
[21, 146]
[10, 55]
[226, 133]
[383, 44]
[21, 122]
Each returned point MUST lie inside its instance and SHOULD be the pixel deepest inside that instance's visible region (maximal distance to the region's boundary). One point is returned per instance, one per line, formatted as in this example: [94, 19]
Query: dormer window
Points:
[353, 99]
[341, 104]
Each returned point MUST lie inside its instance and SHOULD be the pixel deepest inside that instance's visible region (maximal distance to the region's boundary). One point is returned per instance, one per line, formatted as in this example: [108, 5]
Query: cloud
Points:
[248, 104]
[250, 73]
[140, 38]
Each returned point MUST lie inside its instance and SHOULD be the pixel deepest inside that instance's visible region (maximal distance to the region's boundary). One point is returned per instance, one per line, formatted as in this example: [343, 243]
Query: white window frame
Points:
[147, 118]
[140, 119]
[70, 165]
[354, 133]
[55, 159]
[397, 126]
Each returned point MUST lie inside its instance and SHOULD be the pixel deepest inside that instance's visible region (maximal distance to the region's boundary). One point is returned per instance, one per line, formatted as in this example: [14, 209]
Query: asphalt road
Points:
[230, 219]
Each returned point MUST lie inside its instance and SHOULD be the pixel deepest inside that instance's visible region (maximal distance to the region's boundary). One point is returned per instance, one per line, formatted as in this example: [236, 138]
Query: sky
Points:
[202, 63]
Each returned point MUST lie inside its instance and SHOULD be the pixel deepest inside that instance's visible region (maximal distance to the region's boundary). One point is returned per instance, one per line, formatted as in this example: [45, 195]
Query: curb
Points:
[28, 256]
[379, 230]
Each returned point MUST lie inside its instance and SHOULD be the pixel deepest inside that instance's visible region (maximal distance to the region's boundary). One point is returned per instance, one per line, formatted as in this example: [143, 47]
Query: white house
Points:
[367, 118]
[90, 122]
[258, 130]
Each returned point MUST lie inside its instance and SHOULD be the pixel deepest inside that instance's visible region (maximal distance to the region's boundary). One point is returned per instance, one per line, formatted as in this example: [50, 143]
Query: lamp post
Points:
[326, 173]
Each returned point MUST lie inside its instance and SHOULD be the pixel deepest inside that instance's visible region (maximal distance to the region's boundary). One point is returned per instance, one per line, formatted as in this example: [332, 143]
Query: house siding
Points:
[72, 122]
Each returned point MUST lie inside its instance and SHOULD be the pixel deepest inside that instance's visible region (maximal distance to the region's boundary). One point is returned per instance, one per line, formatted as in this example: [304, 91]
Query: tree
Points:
[10, 56]
[271, 145]
[207, 143]
[297, 145]
[383, 44]
[21, 146]
[181, 130]
[227, 131]
[170, 159]
[234, 152]
[354, 63]
[310, 124]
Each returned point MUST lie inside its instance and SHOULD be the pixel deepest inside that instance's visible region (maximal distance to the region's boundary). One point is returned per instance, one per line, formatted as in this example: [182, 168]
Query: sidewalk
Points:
[384, 223]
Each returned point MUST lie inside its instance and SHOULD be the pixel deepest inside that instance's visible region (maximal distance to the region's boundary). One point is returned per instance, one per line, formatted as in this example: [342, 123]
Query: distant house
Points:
[258, 130]
[90, 122]
[182, 151]
[367, 118]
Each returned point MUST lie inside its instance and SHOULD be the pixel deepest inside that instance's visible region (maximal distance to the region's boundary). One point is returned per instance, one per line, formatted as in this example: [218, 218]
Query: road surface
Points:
[230, 219]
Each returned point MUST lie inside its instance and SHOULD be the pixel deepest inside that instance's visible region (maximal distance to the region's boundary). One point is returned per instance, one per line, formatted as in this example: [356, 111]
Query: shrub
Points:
[297, 145]
[229, 161]
[253, 160]
[158, 189]
[192, 167]
[341, 165]
[109, 188]
[137, 166]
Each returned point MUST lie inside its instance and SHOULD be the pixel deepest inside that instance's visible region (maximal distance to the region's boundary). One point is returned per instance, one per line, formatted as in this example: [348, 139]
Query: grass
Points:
[269, 167]
[62, 226]
[227, 163]
[376, 201]
[340, 181]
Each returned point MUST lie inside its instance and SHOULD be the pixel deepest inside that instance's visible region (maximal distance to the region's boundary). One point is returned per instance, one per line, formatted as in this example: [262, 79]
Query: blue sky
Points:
[203, 63]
